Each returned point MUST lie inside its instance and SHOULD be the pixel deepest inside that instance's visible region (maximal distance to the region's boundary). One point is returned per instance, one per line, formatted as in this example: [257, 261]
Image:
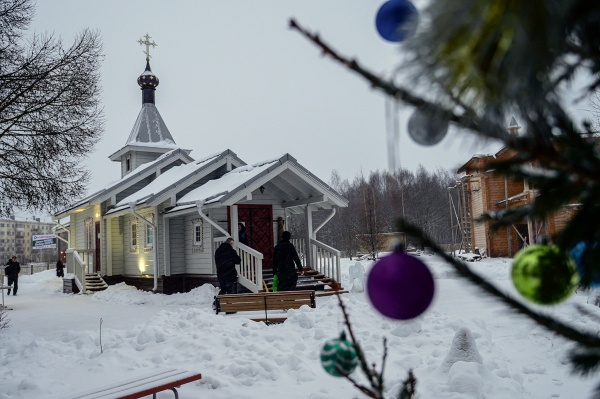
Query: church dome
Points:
[147, 79]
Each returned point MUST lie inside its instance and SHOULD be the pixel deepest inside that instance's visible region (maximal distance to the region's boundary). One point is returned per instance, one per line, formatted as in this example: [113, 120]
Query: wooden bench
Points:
[141, 386]
[264, 301]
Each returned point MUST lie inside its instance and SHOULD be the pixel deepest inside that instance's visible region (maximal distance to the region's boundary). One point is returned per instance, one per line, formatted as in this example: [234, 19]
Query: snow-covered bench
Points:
[141, 386]
[264, 301]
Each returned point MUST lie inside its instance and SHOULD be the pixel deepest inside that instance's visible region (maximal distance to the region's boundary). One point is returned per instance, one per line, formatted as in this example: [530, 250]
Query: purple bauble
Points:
[400, 286]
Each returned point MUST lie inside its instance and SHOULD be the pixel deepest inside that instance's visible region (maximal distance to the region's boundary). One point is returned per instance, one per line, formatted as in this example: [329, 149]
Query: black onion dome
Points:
[147, 79]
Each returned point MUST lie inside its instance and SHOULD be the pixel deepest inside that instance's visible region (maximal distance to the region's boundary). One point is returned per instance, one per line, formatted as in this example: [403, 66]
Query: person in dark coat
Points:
[284, 258]
[242, 233]
[60, 268]
[12, 273]
[225, 259]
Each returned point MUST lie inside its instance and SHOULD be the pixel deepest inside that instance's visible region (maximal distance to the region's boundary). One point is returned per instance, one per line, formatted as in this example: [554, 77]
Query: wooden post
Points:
[508, 232]
[309, 235]
[167, 245]
[234, 223]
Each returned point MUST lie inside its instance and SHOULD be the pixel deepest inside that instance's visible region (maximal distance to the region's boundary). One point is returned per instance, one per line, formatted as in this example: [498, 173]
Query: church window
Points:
[149, 240]
[128, 163]
[133, 239]
[197, 235]
[89, 234]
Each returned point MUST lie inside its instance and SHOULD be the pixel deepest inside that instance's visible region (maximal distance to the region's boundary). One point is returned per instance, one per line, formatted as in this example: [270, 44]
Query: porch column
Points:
[310, 259]
[234, 223]
[109, 256]
[167, 246]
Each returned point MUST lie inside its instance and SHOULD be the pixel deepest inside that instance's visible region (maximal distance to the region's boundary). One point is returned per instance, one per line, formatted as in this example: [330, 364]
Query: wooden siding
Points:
[200, 262]
[140, 261]
[477, 209]
[117, 238]
[177, 246]
[78, 225]
[145, 157]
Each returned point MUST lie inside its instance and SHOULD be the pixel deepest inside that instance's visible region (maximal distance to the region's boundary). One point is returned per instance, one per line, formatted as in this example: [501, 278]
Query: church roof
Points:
[150, 128]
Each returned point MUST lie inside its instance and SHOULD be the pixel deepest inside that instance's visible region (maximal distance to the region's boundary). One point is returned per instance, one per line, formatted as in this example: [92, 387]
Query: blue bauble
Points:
[578, 253]
[397, 20]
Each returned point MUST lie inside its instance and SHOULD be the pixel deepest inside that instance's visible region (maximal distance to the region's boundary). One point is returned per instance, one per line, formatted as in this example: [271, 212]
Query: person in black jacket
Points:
[60, 268]
[225, 259]
[284, 258]
[242, 234]
[12, 273]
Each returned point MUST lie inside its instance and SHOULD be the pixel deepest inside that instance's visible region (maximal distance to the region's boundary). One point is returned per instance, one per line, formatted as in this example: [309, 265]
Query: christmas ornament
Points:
[400, 286]
[544, 274]
[427, 127]
[397, 20]
[339, 353]
[579, 253]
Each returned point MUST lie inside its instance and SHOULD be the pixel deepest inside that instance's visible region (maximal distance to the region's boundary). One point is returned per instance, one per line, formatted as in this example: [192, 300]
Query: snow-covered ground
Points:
[53, 349]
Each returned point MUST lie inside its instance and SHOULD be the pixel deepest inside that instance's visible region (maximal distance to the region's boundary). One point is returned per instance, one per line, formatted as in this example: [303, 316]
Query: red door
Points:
[97, 238]
[258, 220]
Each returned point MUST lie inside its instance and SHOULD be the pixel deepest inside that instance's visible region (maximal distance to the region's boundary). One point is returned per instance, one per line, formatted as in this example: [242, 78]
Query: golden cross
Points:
[147, 43]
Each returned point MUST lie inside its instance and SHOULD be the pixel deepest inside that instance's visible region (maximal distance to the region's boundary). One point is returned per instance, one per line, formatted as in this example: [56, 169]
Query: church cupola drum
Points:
[148, 82]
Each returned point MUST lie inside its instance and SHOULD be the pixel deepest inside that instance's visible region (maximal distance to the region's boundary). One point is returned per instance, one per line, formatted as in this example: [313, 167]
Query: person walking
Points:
[242, 234]
[60, 268]
[12, 273]
[225, 259]
[284, 258]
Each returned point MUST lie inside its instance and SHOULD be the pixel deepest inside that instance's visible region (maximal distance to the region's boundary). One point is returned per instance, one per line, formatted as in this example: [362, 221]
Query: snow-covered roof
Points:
[242, 179]
[149, 127]
[215, 189]
[173, 177]
[142, 169]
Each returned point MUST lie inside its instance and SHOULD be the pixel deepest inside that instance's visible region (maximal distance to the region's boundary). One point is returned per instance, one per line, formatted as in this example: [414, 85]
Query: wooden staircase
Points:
[94, 283]
[311, 280]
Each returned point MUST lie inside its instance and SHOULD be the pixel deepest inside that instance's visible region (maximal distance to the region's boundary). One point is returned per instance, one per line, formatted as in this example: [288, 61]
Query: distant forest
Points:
[375, 203]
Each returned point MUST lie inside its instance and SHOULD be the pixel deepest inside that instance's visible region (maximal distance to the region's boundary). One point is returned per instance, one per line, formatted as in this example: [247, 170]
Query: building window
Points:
[89, 233]
[133, 238]
[128, 163]
[149, 236]
[197, 235]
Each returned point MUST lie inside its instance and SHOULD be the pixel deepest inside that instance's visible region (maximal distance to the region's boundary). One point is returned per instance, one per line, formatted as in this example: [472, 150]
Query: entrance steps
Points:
[94, 283]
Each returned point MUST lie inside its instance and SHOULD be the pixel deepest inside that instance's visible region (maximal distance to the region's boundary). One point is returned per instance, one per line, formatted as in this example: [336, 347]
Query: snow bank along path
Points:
[465, 346]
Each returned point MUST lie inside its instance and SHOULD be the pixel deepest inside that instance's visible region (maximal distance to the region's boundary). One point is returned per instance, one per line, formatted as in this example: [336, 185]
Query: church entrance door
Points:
[258, 220]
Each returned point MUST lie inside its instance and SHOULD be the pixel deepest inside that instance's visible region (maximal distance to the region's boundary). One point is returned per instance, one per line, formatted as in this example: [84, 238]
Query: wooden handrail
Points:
[249, 250]
[325, 247]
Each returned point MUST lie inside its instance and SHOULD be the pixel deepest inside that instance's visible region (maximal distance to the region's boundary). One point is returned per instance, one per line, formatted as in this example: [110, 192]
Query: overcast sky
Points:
[232, 75]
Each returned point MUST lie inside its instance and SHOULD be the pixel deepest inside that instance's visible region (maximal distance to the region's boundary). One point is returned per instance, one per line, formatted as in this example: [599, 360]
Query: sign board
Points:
[44, 241]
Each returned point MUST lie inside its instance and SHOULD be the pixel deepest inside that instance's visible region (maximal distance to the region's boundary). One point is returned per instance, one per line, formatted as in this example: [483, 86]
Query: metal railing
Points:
[326, 260]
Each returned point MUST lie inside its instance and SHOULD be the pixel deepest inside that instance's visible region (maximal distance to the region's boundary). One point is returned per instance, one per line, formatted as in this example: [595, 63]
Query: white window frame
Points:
[89, 241]
[197, 244]
[149, 231]
[133, 235]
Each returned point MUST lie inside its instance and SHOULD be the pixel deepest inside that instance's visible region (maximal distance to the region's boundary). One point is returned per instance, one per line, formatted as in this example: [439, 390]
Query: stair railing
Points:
[250, 268]
[326, 260]
[77, 266]
[300, 248]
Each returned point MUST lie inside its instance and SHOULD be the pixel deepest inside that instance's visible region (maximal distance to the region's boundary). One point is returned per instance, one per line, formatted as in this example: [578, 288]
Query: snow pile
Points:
[356, 275]
[45, 281]
[124, 294]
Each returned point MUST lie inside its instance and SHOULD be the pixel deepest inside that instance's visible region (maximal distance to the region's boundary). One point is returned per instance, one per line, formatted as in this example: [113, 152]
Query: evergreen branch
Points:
[551, 324]
[409, 387]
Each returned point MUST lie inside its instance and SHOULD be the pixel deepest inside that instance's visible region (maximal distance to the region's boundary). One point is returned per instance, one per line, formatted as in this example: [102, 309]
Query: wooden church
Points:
[158, 226]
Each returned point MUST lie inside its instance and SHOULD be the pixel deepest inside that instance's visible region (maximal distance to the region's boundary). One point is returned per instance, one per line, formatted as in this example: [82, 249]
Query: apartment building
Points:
[16, 239]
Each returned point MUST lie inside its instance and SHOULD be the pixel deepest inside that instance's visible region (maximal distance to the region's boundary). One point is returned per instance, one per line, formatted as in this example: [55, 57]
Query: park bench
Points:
[264, 301]
[139, 387]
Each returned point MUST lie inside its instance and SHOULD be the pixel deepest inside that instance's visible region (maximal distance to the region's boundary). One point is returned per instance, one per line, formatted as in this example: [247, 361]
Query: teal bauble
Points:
[339, 354]
[544, 274]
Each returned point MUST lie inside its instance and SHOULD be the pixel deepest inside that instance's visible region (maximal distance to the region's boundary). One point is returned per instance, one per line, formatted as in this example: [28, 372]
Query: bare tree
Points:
[50, 117]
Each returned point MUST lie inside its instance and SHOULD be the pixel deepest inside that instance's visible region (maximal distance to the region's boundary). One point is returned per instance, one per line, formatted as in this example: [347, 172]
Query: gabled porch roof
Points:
[177, 178]
[283, 178]
[141, 172]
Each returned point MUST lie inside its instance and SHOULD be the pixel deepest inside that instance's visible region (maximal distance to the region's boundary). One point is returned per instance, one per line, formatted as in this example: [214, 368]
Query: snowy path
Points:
[52, 347]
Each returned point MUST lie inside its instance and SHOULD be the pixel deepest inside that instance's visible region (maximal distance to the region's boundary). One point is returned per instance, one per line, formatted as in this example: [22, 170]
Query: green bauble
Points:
[544, 274]
[339, 354]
